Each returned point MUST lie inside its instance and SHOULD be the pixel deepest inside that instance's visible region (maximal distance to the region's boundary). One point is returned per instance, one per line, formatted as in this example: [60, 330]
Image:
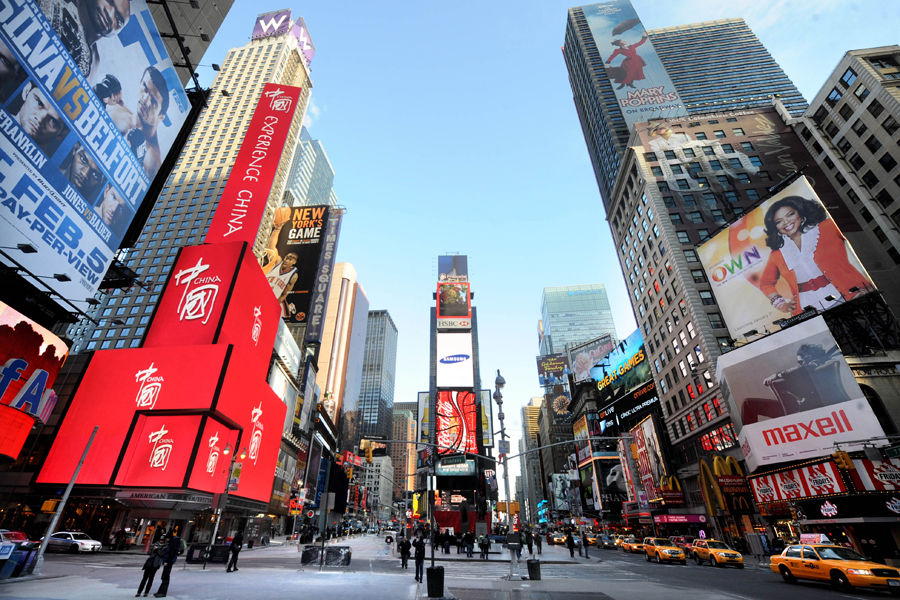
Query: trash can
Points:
[534, 569]
[435, 578]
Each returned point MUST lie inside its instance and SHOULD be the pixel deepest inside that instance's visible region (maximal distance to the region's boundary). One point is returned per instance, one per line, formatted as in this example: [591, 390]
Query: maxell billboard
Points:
[780, 258]
[793, 396]
[89, 107]
[641, 84]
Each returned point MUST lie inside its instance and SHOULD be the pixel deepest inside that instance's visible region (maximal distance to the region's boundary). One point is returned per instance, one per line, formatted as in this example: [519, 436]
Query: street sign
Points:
[503, 447]
[892, 452]
[454, 460]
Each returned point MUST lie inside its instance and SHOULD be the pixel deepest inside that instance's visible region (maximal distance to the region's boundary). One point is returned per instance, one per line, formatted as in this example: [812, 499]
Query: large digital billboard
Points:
[651, 466]
[793, 396]
[779, 259]
[552, 369]
[292, 257]
[454, 305]
[623, 369]
[455, 363]
[642, 86]
[585, 356]
[455, 422]
[89, 106]
[453, 268]
[318, 300]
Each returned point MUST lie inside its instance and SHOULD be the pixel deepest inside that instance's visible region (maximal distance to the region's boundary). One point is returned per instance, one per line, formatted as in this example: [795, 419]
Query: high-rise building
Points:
[851, 128]
[312, 176]
[340, 355]
[700, 61]
[404, 455]
[186, 205]
[379, 366]
[532, 471]
[574, 314]
[377, 478]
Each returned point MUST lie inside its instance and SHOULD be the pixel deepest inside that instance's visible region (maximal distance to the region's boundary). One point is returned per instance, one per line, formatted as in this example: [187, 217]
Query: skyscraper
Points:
[185, 207]
[403, 456]
[699, 60]
[379, 370]
[312, 176]
[531, 466]
[573, 314]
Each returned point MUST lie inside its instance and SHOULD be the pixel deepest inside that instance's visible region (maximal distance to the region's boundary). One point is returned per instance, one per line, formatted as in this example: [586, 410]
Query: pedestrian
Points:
[404, 547]
[529, 541]
[237, 542]
[570, 544]
[538, 542]
[419, 545]
[151, 565]
[447, 539]
[469, 541]
[173, 549]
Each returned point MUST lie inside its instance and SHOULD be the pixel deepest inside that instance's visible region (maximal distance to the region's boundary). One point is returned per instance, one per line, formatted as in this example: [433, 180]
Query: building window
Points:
[649, 156]
[683, 237]
[875, 108]
[704, 234]
[856, 161]
[706, 297]
[843, 145]
[873, 144]
[676, 218]
[859, 128]
[848, 77]
[719, 133]
[861, 92]
[691, 256]
[887, 161]
[846, 111]
[834, 97]
[715, 320]
[700, 135]
[657, 171]
[870, 179]
[695, 217]
[890, 125]
[738, 131]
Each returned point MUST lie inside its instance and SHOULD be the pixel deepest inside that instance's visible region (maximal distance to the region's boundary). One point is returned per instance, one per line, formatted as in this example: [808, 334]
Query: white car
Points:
[73, 541]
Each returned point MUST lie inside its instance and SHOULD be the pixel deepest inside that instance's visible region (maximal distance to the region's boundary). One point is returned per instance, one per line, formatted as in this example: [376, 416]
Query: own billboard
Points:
[793, 396]
[584, 356]
[292, 257]
[623, 369]
[89, 107]
[454, 305]
[642, 86]
[455, 365]
[456, 422]
[651, 466]
[553, 369]
[780, 258]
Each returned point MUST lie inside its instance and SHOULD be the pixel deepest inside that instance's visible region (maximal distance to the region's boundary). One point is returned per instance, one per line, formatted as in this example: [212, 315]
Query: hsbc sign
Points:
[809, 434]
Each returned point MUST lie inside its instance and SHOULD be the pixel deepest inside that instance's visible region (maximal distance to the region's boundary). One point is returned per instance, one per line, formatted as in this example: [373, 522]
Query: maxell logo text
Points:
[836, 423]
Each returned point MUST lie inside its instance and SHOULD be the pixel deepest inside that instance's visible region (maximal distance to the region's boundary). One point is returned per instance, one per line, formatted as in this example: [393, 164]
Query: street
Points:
[375, 573]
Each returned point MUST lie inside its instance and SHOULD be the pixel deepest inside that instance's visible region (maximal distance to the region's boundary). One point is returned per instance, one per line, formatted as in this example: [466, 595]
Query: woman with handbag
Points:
[151, 565]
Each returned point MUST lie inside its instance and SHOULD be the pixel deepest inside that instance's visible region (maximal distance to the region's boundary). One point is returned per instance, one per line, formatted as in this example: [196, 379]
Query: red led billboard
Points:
[118, 383]
[455, 422]
[159, 451]
[211, 464]
[243, 201]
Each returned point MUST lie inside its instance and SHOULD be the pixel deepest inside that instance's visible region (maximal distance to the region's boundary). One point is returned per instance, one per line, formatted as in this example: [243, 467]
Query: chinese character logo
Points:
[256, 436]
[213, 457]
[257, 325]
[162, 449]
[151, 384]
[278, 102]
[199, 295]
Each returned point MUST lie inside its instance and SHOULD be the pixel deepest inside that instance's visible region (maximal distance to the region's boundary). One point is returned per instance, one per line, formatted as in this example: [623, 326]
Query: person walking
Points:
[469, 541]
[529, 541]
[419, 545]
[403, 546]
[173, 549]
[151, 566]
[538, 542]
[570, 544]
[237, 542]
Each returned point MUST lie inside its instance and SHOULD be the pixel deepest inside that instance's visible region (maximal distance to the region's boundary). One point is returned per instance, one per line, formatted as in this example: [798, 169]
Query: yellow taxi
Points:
[632, 544]
[619, 540]
[558, 538]
[716, 553]
[590, 539]
[663, 550]
[842, 567]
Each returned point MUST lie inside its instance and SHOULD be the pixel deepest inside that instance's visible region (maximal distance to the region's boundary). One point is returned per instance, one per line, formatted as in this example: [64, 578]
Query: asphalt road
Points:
[375, 574]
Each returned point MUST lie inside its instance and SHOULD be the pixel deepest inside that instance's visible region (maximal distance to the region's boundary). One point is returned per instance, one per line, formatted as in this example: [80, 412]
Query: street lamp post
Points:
[499, 382]
[224, 498]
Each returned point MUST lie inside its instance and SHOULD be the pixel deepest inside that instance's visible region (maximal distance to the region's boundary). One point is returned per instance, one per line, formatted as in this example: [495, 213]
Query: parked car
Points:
[717, 553]
[663, 550]
[18, 538]
[73, 541]
[843, 567]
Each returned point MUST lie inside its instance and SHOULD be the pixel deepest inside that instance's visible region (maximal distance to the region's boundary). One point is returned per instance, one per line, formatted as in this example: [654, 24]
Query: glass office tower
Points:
[574, 314]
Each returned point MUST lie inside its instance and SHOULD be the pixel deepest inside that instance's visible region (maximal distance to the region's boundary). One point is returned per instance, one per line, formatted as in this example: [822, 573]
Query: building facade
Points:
[705, 80]
[573, 314]
[184, 210]
[403, 455]
[376, 394]
[311, 176]
[532, 472]
[377, 479]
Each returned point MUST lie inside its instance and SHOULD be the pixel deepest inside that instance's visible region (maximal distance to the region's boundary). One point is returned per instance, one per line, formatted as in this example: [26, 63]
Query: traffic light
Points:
[366, 446]
[842, 460]
[350, 473]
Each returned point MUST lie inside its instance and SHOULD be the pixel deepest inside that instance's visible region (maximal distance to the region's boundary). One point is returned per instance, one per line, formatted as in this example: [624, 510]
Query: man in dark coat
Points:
[403, 546]
[173, 549]
[529, 541]
[237, 542]
[570, 544]
[419, 545]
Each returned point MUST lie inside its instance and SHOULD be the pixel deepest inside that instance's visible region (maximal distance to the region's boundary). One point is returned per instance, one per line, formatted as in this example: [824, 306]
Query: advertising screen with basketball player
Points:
[292, 256]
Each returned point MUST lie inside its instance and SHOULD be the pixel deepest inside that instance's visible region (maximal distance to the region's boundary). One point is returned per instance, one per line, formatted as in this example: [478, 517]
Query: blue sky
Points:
[451, 129]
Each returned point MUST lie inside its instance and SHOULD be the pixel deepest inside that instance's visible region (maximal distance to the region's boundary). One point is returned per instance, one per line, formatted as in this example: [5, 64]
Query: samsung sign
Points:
[455, 367]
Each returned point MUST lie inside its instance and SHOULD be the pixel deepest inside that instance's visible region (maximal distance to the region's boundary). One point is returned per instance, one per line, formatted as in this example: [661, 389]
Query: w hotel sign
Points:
[272, 23]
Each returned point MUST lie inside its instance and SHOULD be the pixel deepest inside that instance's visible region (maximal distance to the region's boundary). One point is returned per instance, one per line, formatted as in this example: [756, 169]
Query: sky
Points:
[451, 129]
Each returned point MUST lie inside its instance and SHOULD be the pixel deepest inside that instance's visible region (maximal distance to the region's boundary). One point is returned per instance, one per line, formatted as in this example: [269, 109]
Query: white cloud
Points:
[312, 113]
